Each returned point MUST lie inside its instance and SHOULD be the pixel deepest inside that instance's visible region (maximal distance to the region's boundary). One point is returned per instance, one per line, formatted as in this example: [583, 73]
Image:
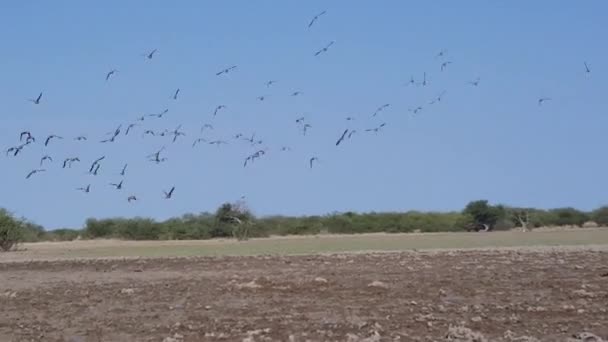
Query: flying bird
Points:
[86, 189]
[110, 74]
[376, 129]
[198, 141]
[305, 128]
[381, 108]
[218, 108]
[312, 160]
[33, 172]
[543, 100]
[36, 100]
[475, 83]
[441, 53]
[261, 98]
[117, 186]
[96, 171]
[269, 83]
[176, 133]
[438, 98]
[316, 17]
[26, 134]
[323, 50]
[80, 138]
[131, 198]
[342, 137]
[129, 128]
[300, 120]
[160, 115]
[150, 54]
[587, 69]
[445, 65]
[15, 150]
[225, 71]
[43, 159]
[68, 162]
[124, 170]
[175, 94]
[296, 93]
[415, 110]
[169, 194]
[350, 134]
[96, 163]
[218, 142]
[52, 136]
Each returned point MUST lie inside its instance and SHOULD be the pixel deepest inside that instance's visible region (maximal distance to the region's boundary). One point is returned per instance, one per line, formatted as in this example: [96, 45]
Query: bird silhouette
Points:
[110, 74]
[315, 18]
[85, 189]
[269, 83]
[36, 100]
[117, 186]
[150, 54]
[198, 141]
[68, 162]
[542, 100]
[43, 159]
[445, 65]
[175, 94]
[33, 172]
[441, 53]
[296, 93]
[169, 194]
[475, 83]
[48, 139]
[376, 129]
[351, 133]
[96, 163]
[80, 138]
[129, 128]
[587, 69]
[261, 98]
[131, 198]
[27, 135]
[342, 137]
[312, 160]
[415, 110]
[325, 49]
[218, 108]
[381, 108]
[124, 170]
[226, 71]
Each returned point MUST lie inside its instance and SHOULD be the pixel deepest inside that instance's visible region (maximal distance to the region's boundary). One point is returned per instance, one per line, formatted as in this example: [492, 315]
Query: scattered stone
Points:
[250, 285]
[320, 280]
[476, 319]
[127, 291]
[464, 334]
[585, 337]
[378, 284]
[584, 293]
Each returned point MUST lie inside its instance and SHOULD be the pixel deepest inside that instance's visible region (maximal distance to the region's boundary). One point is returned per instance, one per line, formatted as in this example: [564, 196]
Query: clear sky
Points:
[492, 141]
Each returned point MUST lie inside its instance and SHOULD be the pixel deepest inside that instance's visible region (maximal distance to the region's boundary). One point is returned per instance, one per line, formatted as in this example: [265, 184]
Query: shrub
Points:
[600, 216]
[11, 231]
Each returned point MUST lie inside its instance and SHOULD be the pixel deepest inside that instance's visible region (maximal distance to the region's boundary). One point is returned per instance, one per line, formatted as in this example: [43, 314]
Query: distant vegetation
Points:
[236, 220]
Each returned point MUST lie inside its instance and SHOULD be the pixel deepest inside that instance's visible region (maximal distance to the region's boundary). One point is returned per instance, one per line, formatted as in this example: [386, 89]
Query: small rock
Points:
[207, 307]
[128, 291]
[476, 319]
[378, 284]
[320, 280]
[250, 285]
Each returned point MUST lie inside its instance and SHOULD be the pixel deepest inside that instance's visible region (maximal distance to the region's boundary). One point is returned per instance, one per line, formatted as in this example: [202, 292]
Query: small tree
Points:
[236, 217]
[11, 231]
[484, 214]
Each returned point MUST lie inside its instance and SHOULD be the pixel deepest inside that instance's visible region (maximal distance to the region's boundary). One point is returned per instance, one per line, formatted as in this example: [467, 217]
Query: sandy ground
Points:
[513, 294]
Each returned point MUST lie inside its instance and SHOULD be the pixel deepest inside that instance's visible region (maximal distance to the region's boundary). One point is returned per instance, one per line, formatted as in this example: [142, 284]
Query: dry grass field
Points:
[508, 286]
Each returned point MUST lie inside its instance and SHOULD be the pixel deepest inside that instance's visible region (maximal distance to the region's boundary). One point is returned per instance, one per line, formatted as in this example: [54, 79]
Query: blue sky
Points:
[492, 141]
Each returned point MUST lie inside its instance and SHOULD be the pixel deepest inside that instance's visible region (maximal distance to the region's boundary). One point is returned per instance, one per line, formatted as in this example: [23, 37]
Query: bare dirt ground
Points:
[504, 294]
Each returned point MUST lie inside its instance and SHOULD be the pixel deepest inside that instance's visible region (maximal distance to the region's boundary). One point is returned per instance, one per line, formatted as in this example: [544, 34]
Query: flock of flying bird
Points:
[26, 138]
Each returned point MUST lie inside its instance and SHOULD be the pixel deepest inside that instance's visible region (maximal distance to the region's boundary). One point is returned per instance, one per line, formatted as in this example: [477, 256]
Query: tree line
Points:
[235, 220]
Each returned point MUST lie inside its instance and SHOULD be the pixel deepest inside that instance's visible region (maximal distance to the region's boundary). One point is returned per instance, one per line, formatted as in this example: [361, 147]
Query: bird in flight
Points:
[96, 171]
[543, 100]
[316, 17]
[261, 98]
[415, 110]
[160, 115]
[150, 54]
[33, 172]
[176, 133]
[169, 194]
[342, 137]
[198, 141]
[424, 81]
[43, 159]
[206, 126]
[96, 163]
[117, 186]
[218, 108]
[445, 65]
[36, 100]
[131, 198]
[175, 94]
[305, 128]
[86, 189]
[300, 120]
[438, 98]
[381, 108]
[441, 53]
[124, 170]
[296, 93]
[155, 157]
[312, 160]
[323, 50]
[269, 83]
[412, 81]
[26, 134]
[15, 150]
[285, 149]
[110, 74]
[80, 138]
[68, 162]
[52, 136]
[129, 128]
[350, 134]
[587, 69]
[350, 118]
[225, 71]
[218, 142]
[376, 129]
[475, 83]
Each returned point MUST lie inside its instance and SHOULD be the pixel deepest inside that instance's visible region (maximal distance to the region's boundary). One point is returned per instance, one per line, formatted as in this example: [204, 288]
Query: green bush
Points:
[11, 231]
[600, 216]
